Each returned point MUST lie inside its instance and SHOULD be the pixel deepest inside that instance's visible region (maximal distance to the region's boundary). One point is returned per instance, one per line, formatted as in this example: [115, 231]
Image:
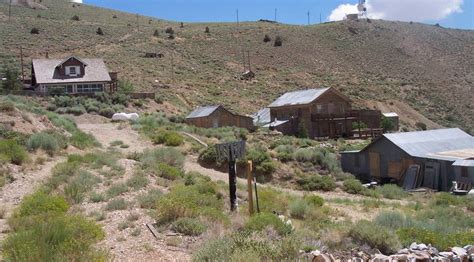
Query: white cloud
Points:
[341, 11]
[402, 10]
[77, 1]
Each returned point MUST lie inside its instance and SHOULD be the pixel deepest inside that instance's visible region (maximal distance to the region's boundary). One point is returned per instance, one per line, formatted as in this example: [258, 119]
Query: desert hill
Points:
[424, 68]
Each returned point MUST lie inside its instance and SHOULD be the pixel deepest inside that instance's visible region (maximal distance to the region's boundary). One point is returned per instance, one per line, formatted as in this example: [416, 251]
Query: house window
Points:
[464, 171]
[69, 89]
[319, 108]
[72, 70]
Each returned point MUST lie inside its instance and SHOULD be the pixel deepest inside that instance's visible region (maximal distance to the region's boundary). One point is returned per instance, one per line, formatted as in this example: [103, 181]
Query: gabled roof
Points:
[46, 73]
[302, 97]
[443, 144]
[202, 111]
[67, 59]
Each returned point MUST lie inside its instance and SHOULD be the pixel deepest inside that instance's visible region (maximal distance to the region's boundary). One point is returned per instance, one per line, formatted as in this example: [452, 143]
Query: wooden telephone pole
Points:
[10, 10]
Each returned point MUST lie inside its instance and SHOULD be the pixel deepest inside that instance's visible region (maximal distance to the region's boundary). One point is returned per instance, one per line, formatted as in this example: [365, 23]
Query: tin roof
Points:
[46, 73]
[276, 123]
[391, 114]
[300, 97]
[464, 162]
[202, 111]
[444, 144]
[262, 116]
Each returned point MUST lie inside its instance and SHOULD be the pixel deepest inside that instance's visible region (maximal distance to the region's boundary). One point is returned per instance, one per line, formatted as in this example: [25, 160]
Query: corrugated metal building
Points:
[218, 116]
[442, 156]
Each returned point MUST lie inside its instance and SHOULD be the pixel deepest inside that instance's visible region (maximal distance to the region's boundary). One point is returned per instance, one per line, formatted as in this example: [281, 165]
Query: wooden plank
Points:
[394, 169]
[374, 161]
[151, 227]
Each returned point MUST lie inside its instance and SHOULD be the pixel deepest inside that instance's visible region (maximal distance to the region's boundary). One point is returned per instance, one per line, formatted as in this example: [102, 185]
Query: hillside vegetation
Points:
[422, 67]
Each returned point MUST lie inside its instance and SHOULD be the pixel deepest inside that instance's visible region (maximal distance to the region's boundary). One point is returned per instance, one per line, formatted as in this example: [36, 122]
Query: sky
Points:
[448, 13]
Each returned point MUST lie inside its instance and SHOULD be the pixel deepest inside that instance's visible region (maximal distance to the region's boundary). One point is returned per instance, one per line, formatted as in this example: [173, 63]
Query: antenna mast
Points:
[362, 9]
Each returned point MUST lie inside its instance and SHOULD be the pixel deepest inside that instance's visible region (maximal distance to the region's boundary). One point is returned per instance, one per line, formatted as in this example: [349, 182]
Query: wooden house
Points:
[322, 112]
[218, 116]
[72, 76]
[439, 157]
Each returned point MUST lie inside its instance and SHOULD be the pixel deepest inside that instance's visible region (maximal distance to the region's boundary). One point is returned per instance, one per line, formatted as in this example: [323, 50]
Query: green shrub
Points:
[314, 200]
[189, 201]
[59, 238]
[263, 220]
[272, 200]
[353, 186]
[43, 141]
[317, 182]
[446, 199]
[74, 193]
[392, 220]
[189, 226]
[285, 152]
[11, 151]
[420, 126]
[150, 199]
[165, 155]
[137, 181]
[117, 204]
[219, 249]
[169, 172]
[298, 208]
[310, 155]
[392, 191]
[169, 138]
[441, 241]
[375, 236]
[82, 140]
[208, 155]
[39, 203]
[116, 189]
[96, 197]
[261, 160]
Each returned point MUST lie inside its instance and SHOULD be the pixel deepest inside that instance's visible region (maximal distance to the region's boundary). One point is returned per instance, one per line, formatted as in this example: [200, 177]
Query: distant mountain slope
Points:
[427, 68]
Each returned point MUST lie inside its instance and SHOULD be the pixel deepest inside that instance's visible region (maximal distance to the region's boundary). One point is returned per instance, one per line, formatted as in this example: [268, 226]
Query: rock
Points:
[357, 259]
[414, 246]
[380, 258]
[469, 249]
[399, 257]
[404, 251]
[461, 252]
[422, 247]
[422, 255]
[446, 254]
[321, 258]
[316, 253]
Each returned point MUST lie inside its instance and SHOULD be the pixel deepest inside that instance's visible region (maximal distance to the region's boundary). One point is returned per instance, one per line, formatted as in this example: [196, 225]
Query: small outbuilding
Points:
[218, 116]
[431, 159]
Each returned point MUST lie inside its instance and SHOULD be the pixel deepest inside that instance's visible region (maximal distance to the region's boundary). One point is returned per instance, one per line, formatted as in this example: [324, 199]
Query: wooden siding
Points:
[221, 117]
[71, 62]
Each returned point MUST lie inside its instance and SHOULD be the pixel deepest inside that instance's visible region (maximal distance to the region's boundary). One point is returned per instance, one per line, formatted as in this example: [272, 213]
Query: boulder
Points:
[380, 258]
[460, 252]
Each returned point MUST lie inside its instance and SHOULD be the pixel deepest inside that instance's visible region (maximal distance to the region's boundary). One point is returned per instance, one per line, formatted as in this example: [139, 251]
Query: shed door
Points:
[374, 159]
[215, 122]
[431, 175]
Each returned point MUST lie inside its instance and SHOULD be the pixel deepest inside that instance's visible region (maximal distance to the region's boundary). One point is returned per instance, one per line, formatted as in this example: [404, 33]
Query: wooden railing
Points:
[367, 133]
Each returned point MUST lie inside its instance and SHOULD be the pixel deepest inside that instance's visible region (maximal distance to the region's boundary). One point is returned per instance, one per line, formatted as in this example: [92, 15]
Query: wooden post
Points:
[22, 67]
[232, 182]
[249, 186]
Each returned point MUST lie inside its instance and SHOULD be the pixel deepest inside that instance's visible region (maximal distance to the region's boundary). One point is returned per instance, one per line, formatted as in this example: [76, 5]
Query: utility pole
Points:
[308, 17]
[320, 20]
[237, 12]
[10, 10]
[248, 56]
[22, 68]
[275, 15]
[138, 24]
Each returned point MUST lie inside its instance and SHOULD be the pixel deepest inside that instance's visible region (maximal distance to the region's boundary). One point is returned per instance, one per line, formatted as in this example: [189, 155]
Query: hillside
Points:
[423, 68]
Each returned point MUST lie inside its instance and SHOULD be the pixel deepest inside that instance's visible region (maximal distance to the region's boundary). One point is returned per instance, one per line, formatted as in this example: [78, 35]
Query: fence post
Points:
[249, 186]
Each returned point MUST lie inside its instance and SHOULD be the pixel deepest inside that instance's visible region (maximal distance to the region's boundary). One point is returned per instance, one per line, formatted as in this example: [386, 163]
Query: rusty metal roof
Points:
[202, 111]
[435, 144]
[300, 97]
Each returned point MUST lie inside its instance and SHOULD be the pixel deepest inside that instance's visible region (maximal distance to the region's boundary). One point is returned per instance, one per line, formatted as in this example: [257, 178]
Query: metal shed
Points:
[435, 152]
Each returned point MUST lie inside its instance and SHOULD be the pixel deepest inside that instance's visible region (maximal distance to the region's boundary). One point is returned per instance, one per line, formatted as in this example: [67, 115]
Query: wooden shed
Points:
[434, 153]
[218, 116]
[394, 118]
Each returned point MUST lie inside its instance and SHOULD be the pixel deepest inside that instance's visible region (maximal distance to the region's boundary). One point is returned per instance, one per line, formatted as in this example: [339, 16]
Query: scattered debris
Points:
[154, 55]
[247, 75]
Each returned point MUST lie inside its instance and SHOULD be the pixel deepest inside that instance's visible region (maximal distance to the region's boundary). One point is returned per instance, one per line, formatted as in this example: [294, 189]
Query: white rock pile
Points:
[416, 252]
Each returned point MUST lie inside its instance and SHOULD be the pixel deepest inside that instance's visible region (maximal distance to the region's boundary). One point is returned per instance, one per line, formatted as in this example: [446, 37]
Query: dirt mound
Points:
[25, 122]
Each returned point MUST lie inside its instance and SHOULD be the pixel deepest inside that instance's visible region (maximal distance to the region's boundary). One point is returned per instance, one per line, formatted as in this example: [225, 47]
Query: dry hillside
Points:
[424, 68]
